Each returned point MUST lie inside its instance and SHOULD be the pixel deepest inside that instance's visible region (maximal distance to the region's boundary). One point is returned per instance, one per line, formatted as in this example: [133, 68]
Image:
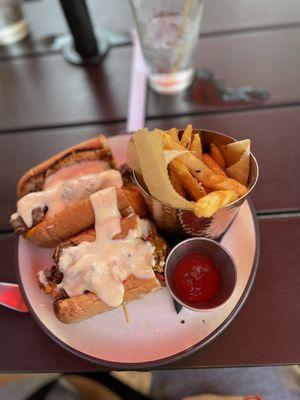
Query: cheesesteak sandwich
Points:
[114, 262]
[54, 197]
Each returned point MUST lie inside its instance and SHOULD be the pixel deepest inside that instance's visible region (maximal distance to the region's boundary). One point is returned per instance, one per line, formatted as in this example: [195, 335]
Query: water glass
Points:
[13, 26]
[168, 31]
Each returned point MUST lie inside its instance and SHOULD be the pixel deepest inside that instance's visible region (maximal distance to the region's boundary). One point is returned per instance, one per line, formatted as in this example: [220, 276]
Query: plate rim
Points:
[115, 365]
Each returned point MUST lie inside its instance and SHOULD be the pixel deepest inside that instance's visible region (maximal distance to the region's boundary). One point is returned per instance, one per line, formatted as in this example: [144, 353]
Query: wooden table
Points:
[47, 104]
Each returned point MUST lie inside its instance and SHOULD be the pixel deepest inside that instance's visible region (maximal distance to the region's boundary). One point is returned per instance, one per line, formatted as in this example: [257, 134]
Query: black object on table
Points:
[85, 50]
[104, 378]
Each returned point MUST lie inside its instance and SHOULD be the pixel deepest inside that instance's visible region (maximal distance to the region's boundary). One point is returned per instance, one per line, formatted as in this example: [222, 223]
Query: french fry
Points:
[176, 181]
[209, 204]
[196, 146]
[188, 182]
[217, 155]
[215, 181]
[186, 138]
[173, 132]
[211, 164]
[207, 190]
[201, 172]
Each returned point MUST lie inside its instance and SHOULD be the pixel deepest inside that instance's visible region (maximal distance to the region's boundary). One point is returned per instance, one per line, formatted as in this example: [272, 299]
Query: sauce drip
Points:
[63, 193]
[196, 279]
[102, 266]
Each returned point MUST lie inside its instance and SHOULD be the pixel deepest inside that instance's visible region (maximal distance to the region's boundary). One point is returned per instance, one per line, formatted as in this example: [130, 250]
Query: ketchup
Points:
[196, 279]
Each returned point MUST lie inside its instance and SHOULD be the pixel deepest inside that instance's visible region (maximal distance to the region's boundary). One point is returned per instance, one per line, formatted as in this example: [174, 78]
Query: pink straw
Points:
[138, 88]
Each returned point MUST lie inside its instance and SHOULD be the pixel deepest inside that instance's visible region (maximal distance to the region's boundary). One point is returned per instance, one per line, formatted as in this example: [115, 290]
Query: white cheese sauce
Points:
[75, 171]
[63, 193]
[102, 266]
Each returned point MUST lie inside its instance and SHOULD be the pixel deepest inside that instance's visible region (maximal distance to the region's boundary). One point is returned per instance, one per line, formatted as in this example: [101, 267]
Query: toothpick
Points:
[125, 312]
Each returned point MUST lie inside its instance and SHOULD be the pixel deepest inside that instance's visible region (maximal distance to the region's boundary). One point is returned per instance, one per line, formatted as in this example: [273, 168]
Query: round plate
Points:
[155, 334]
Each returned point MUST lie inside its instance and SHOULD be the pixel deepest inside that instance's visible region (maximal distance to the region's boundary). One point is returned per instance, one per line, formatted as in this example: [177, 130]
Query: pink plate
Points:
[155, 334]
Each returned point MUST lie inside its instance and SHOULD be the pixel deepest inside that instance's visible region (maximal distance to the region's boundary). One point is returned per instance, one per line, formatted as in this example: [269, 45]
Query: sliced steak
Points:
[54, 275]
[19, 225]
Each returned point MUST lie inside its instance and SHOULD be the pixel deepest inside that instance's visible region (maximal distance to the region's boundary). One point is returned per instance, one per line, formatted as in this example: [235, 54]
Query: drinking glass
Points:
[13, 26]
[168, 32]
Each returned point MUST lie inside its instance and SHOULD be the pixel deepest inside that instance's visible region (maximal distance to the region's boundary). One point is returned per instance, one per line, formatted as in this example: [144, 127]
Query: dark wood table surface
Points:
[47, 104]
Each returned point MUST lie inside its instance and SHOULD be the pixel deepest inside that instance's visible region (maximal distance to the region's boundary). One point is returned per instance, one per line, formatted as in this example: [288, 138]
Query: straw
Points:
[186, 11]
[138, 88]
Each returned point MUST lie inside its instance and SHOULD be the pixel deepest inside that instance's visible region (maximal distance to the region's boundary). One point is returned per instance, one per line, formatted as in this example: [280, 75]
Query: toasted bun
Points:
[69, 221]
[93, 149]
[79, 216]
[136, 199]
[89, 235]
[78, 308]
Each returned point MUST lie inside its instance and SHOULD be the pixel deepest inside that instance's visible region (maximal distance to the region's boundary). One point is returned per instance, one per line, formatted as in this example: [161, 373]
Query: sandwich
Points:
[116, 261]
[54, 197]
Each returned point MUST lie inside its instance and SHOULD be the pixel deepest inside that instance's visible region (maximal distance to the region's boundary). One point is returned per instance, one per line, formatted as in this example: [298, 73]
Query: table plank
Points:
[218, 17]
[268, 130]
[232, 16]
[264, 332]
[47, 91]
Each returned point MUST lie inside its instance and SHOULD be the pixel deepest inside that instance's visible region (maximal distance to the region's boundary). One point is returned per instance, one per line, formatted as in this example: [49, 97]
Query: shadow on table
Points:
[271, 383]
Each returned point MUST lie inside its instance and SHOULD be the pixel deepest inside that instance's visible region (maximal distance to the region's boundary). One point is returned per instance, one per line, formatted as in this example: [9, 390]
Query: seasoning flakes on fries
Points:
[207, 169]
[212, 164]
[186, 138]
[188, 182]
[199, 174]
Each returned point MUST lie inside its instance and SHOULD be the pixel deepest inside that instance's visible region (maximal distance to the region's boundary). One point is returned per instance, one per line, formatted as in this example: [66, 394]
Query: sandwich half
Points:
[54, 197]
[116, 261]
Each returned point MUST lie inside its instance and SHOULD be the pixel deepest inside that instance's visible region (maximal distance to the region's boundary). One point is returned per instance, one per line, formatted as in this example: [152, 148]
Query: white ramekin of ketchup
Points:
[200, 274]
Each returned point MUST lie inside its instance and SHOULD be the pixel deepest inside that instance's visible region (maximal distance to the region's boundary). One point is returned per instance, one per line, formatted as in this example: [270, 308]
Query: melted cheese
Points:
[75, 171]
[102, 266]
[66, 192]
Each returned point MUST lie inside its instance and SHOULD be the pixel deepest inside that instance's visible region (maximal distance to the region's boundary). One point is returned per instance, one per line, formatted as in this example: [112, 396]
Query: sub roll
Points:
[54, 197]
[114, 262]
